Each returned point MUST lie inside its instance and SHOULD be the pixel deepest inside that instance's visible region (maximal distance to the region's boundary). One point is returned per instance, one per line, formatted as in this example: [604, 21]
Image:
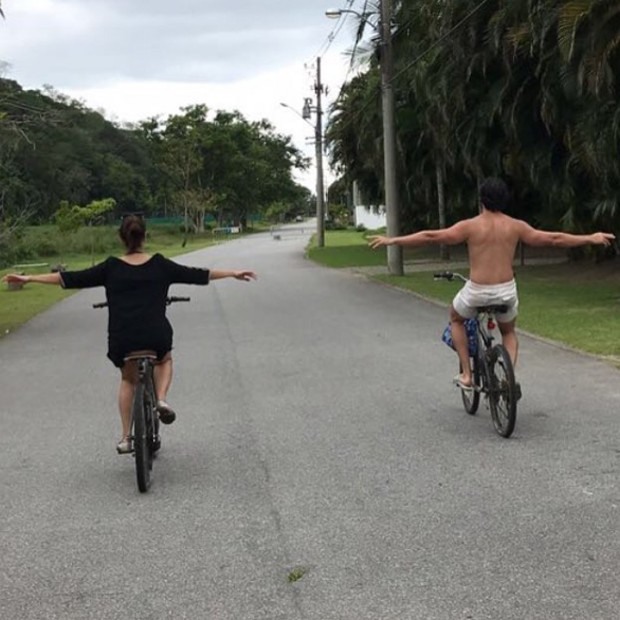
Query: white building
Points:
[371, 217]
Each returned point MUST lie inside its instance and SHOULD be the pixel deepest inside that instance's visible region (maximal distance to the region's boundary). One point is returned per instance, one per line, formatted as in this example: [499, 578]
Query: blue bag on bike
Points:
[472, 336]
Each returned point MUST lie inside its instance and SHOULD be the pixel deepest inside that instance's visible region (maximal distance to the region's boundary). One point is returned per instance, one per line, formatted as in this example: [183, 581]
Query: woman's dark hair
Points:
[494, 194]
[132, 232]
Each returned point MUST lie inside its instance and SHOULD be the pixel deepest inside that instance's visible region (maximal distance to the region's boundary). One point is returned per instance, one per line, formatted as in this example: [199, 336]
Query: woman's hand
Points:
[246, 276]
[15, 278]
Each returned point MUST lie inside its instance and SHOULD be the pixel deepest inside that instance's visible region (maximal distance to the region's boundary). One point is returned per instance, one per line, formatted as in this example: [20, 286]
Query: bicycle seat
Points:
[136, 355]
[502, 309]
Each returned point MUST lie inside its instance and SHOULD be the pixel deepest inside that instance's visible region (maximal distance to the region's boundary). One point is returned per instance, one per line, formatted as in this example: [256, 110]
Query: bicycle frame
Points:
[486, 323]
[145, 375]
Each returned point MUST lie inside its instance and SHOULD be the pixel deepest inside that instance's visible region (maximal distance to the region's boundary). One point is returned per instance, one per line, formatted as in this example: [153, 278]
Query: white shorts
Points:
[473, 296]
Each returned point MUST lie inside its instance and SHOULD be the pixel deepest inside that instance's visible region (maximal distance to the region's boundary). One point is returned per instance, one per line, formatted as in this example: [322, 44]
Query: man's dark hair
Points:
[494, 194]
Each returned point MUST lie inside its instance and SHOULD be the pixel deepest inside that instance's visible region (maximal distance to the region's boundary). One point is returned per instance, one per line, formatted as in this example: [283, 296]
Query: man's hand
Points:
[379, 241]
[15, 278]
[246, 276]
[601, 238]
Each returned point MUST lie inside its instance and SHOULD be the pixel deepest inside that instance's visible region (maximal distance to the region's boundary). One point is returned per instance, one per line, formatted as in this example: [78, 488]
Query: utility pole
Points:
[392, 208]
[318, 134]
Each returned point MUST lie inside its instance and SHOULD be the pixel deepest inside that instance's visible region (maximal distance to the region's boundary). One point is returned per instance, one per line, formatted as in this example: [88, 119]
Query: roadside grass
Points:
[19, 306]
[575, 303]
[349, 248]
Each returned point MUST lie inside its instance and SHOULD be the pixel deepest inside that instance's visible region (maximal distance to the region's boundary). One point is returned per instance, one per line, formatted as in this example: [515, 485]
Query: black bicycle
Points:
[144, 418]
[492, 370]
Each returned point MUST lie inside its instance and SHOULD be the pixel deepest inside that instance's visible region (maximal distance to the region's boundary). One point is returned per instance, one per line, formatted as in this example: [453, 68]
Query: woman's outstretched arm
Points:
[42, 278]
[216, 274]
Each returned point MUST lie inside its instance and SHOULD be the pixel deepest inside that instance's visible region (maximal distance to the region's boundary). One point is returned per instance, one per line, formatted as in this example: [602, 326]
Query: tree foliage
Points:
[55, 151]
[526, 90]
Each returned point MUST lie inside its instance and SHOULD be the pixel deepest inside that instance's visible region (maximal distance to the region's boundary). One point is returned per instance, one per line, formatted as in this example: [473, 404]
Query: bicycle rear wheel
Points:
[152, 426]
[502, 391]
[471, 398]
[141, 439]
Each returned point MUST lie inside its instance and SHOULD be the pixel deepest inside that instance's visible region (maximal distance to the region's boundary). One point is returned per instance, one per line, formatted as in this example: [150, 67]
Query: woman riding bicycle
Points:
[136, 286]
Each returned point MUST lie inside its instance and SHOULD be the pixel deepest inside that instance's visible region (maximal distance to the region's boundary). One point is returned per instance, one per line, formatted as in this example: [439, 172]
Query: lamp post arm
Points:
[305, 120]
[336, 13]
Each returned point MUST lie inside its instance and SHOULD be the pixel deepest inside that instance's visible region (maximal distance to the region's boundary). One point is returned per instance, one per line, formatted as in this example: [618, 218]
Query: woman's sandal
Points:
[125, 445]
[166, 412]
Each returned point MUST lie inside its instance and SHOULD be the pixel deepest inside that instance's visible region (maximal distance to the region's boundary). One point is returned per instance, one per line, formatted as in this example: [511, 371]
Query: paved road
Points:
[319, 437]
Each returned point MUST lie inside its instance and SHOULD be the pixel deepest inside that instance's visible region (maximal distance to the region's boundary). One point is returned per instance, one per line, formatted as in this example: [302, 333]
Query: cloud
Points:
[83, 43]
[141, 58]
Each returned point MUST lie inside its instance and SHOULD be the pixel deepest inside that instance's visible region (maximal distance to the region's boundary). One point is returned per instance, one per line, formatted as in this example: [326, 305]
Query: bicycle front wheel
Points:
[471, 398]
[502, 391]
[141, 439]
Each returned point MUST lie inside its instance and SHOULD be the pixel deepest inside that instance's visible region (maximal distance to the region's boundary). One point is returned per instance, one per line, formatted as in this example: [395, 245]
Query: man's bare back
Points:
[492, 240]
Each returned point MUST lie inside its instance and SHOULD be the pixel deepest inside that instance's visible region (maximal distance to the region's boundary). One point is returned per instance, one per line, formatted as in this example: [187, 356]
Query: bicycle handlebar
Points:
[449, 275]
[169, 300]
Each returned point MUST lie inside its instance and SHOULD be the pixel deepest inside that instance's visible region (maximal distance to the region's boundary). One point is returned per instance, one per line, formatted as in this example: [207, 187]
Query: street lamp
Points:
[392, 212]
[318, 146]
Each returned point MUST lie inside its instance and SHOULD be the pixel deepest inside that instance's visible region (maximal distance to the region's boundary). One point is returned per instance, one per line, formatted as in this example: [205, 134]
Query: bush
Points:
[334, 226]
[43, 247]
[102, 239]
[7, 256]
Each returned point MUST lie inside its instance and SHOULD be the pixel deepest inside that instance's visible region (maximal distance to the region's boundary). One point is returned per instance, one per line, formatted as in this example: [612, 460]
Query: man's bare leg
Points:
[511, 344]
[459, 338]
[509, 340]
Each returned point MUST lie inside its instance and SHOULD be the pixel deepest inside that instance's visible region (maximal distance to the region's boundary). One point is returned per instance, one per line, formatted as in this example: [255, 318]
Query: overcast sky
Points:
[139, 58]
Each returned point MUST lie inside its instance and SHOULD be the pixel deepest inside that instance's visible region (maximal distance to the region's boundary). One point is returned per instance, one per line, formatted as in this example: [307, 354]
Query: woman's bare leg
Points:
[129, 378]
[162, 374]
[163, 378]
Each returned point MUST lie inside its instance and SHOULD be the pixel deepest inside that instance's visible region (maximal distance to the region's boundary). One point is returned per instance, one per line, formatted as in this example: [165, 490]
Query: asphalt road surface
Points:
[321, 466]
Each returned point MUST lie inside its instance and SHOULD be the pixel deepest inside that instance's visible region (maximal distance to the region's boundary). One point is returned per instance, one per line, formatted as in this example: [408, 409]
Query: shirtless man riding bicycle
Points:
[491, 238]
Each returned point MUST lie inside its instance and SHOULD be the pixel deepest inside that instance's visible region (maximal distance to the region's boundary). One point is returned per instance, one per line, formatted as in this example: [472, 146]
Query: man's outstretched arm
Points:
[532, 236]
[446, 236]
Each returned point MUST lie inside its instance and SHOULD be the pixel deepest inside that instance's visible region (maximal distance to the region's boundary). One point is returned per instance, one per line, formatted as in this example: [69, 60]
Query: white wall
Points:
[370, 218]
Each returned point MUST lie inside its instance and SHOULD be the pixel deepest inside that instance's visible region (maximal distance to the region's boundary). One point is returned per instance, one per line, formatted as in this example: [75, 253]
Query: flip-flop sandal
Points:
[458, 382]
[125, 445]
